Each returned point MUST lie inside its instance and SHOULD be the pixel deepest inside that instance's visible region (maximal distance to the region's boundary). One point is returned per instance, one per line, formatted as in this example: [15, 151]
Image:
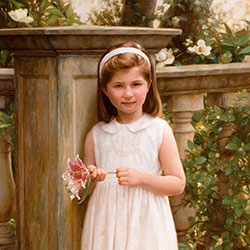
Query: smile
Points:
[128, 103]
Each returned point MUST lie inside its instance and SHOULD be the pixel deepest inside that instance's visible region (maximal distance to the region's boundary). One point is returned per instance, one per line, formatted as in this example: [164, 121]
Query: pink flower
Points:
[77, 177]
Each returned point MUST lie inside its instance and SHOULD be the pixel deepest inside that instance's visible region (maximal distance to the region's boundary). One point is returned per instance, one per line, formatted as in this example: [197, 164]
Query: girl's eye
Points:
[136, 84]
[118, 86]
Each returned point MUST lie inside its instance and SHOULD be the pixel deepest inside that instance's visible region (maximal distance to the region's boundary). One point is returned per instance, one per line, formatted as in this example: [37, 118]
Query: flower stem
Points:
[111, 172]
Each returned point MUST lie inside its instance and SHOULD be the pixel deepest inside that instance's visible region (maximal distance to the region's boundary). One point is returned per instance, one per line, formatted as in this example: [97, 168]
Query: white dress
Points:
[128, 218]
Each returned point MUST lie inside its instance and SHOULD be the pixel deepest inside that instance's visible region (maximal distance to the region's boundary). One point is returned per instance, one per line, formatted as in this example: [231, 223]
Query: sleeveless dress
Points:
[128, 218]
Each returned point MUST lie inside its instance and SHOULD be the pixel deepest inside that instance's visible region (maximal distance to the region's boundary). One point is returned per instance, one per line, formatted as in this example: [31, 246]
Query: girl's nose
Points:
[128, 93]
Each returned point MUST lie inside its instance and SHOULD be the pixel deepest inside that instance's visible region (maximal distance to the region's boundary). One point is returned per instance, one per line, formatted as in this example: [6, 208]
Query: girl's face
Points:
[127, 91]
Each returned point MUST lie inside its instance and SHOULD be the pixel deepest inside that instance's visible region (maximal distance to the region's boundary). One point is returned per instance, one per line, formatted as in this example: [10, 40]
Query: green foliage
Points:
[218, 174]
[165, 114]
[7, 125]
[227, 46]
[188, 15]
[6, 60]
[13, 226]
[107, 15]
[45, 13]
[197, 21]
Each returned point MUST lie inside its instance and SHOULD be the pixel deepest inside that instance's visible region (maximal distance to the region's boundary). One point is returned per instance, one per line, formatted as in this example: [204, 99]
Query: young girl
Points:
[126, 153]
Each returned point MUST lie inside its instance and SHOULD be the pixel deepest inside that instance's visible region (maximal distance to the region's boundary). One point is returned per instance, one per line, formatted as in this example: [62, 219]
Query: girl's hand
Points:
[129, 177]
[96, 173]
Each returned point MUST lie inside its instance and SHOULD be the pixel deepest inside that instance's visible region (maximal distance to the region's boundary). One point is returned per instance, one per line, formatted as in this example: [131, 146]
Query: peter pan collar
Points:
[114, 126]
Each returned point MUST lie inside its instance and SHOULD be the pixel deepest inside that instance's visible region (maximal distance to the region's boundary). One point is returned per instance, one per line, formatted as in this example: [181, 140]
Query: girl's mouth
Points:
[128, 103]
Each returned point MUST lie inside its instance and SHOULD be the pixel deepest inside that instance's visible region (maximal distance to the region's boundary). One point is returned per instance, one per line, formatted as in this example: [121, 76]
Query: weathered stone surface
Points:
[203, 78]
[81, 39]
[7, 194]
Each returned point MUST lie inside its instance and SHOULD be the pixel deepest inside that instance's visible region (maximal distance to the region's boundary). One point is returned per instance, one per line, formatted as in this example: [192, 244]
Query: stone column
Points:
[7, 197]
[182, 107]
[181, 93]
[55, 70]
[7, 185]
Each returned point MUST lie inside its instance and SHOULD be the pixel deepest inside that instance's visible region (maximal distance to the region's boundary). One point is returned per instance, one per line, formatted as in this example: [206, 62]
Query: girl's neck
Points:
[128, 118]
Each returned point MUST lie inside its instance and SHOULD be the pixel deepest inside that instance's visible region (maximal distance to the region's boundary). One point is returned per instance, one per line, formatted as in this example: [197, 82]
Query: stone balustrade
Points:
[7, 185]
[56, 83]
[183, 88]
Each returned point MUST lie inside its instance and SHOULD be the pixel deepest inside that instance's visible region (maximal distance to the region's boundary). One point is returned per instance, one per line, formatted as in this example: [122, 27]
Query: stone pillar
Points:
[55, 70]
[182, 108]
[7, 185]
[7, 197]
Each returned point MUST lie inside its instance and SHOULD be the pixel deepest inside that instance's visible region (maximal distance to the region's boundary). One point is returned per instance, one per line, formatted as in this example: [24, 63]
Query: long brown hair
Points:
[152, 105]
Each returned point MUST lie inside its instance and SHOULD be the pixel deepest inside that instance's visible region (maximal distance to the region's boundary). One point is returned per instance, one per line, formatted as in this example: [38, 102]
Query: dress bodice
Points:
[134, 145]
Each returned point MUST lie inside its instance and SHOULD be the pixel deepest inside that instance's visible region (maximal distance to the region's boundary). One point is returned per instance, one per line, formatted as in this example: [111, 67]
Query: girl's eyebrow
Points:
[117, 82]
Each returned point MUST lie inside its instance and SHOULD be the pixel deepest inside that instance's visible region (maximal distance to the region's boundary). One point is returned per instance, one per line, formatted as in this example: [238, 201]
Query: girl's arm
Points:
[172, 183]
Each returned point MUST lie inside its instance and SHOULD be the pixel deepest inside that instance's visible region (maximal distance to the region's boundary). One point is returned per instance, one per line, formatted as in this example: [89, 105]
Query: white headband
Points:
[121, 50]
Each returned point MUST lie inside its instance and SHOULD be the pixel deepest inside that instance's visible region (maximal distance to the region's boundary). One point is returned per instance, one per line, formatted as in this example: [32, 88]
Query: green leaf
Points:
[236, 140]
[227, 201]
[229, 222]
[228, 30]
[4, 126]
[228, 171]
[43, 23]
[18, 5]
[227, 41]
[182, 246]
[85, 194]
[247, 147]
[55, 12]
[196, 116]
[242, 38]
[217, 110]
[245, 50]
[239, 211]
[226, 57]
[200, 160]
[44, 5]
[247, 239]
[181, 6]
[69, 12]
[232, 146]
[52, 20]
[190, 145]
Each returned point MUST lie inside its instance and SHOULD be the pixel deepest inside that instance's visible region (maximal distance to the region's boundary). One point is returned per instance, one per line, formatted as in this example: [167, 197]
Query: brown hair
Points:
[152, 105]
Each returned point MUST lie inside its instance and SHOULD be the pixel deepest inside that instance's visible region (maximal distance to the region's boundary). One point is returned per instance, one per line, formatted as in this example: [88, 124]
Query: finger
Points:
[122, 180]
[100, 174]
[91, 168]
[122, 172]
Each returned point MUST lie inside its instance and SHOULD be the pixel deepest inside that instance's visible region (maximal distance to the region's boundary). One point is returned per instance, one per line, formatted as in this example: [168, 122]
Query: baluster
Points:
[7, 197]
[181, 108]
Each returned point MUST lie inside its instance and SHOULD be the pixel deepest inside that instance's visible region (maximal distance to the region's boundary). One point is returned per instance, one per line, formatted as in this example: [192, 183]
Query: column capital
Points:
[82, 39]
